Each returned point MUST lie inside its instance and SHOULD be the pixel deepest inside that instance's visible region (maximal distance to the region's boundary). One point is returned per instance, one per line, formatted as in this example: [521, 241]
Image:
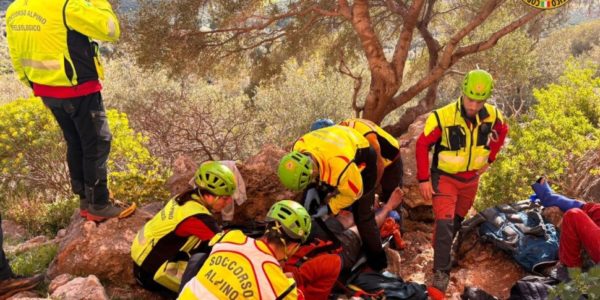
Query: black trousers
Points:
[5, 271]
[85, 128]
[364, 215]
[391, 178]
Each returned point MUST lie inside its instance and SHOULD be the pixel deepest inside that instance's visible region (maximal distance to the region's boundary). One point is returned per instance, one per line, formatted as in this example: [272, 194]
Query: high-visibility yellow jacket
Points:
[156, 243]
[239, 267]
[49, 40]
[334, 149]
[461, 147]
[387, 146]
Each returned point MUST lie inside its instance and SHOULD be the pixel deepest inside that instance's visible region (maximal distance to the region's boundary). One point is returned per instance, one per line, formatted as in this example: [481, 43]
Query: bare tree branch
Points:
[446, 61]
[493, 39]
[406, 36]
[485, 11]
[398, 8]
[344, 69]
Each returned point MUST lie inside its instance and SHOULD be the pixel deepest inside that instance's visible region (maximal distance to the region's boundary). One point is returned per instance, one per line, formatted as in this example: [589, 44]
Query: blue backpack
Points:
[520, 230]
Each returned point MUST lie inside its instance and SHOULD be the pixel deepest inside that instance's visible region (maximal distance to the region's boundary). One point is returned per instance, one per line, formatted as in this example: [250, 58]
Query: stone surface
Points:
[81, 288]
[482, 266]
[408, 143]
[100, 249]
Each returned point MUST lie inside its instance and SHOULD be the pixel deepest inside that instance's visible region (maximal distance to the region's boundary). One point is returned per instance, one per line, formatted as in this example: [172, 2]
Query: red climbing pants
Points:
[580, 230]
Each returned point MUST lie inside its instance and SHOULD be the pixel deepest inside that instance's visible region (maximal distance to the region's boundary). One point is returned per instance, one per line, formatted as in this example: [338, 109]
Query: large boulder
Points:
[408, 142]
[259, 173]
[184, 168]
[262, 184]
[100, 249]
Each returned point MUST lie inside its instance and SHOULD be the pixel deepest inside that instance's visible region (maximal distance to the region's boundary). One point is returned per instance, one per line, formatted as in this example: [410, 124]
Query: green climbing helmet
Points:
[295, 171]
[293, 217]
[478, 85]
[216, 178]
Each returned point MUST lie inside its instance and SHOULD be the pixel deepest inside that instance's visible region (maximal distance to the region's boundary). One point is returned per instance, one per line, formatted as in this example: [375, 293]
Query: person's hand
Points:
[483, 169]
[426, 190]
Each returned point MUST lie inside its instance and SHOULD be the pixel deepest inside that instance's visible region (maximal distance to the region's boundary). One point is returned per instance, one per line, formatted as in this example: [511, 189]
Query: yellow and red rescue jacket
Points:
[49, 40]
[239, 267]
[334, 149]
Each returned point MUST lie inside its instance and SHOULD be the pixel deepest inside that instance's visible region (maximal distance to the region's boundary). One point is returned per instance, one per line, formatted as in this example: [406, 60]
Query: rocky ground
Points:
[93, 260]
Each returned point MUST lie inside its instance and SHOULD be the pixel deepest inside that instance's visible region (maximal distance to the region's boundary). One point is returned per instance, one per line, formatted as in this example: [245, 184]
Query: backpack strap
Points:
[286, 292]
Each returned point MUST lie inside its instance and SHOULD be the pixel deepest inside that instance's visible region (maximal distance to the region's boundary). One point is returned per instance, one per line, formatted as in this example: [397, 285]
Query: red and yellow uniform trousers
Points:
[462, 146]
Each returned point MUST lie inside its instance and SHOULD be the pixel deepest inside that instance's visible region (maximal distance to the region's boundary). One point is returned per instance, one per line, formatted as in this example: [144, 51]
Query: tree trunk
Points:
[410, 115]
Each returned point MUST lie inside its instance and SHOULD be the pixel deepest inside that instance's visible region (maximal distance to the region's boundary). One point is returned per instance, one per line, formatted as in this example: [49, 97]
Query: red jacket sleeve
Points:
[495, 145]
[317, 276]
[424, 144]
[204, 227]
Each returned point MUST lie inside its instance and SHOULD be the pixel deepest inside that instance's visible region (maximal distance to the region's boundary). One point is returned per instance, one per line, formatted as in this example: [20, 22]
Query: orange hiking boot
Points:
[110, 211]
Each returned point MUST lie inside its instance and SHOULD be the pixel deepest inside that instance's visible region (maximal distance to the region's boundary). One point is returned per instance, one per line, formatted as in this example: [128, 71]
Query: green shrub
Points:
[33, 261]
[39, 217]
[33, 166]
[582, 283]
[554, 140]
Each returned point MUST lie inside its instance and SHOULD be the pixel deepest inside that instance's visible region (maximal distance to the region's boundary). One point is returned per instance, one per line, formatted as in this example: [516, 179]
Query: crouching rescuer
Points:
[162, 248]
[240, 267]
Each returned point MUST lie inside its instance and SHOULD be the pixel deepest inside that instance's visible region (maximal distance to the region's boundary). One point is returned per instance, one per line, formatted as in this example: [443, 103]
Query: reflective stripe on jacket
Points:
[49, 40]
[388, 145]
[335, 149]
[463, 146]
[239, 267]
[157, 242]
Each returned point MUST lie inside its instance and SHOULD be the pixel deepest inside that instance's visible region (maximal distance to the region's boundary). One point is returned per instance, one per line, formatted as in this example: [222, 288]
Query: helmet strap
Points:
[278, 228]
[199, 198]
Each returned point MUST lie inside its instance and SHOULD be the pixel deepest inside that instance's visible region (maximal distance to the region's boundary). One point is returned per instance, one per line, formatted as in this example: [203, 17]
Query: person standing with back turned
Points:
[52, 52]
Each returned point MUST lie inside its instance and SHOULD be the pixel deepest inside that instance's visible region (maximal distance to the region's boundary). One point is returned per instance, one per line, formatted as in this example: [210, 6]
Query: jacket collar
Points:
[482, 114]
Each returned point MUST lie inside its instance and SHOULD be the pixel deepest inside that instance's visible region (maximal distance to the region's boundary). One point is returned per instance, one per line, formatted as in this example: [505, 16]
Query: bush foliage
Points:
[582, 283]
[33, 165]
[559, 138]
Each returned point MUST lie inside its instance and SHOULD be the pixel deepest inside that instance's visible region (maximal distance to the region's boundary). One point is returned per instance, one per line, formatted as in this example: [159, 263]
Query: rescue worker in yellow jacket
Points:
[389, 160]
[466, 135]
[339, 161]
[52, 52]
[240, 267]
[162, 248]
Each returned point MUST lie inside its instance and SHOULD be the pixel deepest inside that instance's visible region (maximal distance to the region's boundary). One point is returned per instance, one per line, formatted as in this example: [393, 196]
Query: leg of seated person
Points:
[578, 230]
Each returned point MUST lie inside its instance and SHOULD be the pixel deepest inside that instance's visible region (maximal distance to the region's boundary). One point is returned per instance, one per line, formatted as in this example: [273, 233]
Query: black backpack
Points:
[372, 285]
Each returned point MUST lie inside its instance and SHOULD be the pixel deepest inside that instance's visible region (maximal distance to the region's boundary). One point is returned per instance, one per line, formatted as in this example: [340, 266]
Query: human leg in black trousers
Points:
[85, 128]
[364, 215]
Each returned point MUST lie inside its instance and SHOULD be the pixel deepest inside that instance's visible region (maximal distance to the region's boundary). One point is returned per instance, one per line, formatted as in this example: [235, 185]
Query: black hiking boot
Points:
[440, 280]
